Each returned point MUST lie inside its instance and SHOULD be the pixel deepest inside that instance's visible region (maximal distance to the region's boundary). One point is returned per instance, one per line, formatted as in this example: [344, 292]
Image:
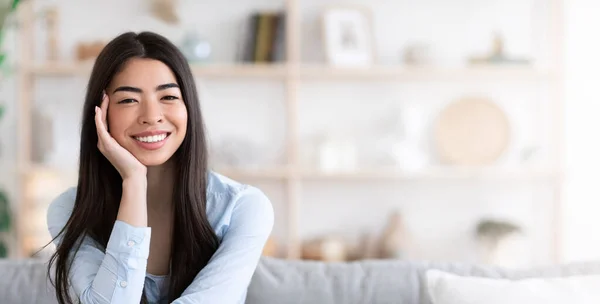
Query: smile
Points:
[151, 139]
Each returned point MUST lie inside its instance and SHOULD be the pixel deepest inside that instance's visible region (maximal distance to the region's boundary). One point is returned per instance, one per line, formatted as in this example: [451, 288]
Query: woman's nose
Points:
[151, 113]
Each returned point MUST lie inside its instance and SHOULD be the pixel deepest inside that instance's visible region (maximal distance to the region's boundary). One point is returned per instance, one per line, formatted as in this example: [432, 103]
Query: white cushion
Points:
[447, 288]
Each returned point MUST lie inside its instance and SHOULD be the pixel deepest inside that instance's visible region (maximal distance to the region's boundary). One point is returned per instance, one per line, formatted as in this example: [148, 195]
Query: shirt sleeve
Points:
[226, 277]
[114, 275]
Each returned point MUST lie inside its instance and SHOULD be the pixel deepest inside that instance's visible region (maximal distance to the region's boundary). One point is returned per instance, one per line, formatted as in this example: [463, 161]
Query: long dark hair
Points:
[100, 185]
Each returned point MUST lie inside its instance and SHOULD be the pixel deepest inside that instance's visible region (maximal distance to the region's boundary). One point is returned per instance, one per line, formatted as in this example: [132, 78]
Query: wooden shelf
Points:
[258, 173]
[434, 174]
[250, 172]
[29, 169]
[66, 69]
[293, 73]
[325, 72]
[400, 73]
[283, 172]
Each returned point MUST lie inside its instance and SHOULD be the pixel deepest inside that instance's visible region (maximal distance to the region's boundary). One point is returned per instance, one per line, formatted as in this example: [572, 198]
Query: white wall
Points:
[440, 214]
[583, 147]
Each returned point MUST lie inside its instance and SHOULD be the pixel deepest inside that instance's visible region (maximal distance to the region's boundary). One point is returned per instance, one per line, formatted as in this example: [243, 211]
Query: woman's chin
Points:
[153, 161]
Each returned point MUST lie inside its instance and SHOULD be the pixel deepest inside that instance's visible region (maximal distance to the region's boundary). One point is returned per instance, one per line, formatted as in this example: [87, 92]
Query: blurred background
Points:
[443, 130]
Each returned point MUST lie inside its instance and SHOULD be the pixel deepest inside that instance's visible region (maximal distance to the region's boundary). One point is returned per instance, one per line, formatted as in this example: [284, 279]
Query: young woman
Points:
[148, 221]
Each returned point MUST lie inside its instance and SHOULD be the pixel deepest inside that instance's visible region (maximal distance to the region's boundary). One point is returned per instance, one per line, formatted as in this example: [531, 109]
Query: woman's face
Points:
[146, 113]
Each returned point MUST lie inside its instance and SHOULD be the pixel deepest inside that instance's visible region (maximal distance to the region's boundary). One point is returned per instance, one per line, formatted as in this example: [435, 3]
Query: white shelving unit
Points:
[292, 73]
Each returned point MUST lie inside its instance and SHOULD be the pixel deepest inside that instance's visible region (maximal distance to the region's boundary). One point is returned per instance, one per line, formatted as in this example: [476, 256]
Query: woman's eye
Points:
[170, 97]
[127, 100]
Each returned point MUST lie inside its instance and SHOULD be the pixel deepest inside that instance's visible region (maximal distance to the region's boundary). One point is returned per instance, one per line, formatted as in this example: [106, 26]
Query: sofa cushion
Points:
[24, 282]
[374, 282]
[447, 288]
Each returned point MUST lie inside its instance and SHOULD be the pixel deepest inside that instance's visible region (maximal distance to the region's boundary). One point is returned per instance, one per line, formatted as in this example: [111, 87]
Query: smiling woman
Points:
[148, 222]
[146, 114]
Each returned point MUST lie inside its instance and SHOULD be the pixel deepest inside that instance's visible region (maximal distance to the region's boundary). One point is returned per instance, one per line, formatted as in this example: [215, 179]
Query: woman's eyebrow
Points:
[138, 90]
[166, 86]
[128, 89]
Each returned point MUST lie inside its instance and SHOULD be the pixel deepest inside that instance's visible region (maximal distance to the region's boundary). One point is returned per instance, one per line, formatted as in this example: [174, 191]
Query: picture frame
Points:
[348, 36]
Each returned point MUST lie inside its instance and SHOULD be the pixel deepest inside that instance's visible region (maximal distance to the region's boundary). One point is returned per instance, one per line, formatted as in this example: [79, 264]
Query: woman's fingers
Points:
[104, 108]
[100, 118]
[99, 128]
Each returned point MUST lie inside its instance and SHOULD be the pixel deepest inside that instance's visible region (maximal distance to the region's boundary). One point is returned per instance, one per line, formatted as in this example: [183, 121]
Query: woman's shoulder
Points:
[60, 210]
[225, 192]
[63, 203]
[228, 199]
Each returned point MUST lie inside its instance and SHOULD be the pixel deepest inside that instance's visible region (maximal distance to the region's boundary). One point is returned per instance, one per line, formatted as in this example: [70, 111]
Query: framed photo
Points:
[348, 36]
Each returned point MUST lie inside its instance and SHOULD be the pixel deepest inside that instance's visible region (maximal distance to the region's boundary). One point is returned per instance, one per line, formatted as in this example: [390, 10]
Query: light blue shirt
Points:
[241, 216]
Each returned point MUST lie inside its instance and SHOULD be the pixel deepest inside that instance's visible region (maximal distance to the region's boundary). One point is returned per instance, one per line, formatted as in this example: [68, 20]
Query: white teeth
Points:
[152, 139]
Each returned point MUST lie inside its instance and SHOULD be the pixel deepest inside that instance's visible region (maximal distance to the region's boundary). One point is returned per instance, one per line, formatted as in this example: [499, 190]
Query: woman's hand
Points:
[127, 165]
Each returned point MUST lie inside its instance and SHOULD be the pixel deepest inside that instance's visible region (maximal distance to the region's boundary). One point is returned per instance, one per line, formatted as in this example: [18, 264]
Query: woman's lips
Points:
[151, 142]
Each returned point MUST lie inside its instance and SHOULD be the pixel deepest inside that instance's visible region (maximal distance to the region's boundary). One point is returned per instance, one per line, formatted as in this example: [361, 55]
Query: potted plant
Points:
[7, 7]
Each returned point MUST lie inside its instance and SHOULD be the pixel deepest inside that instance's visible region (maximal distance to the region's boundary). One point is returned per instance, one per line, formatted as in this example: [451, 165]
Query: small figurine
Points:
[165, 11]
[393, 241]
[497, 54]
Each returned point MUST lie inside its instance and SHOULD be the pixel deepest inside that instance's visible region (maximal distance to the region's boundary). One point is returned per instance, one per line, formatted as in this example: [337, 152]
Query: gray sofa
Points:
[294, 282]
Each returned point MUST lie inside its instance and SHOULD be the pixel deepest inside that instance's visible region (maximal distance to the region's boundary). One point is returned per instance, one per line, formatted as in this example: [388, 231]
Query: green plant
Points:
[6, 8]
[5, 221]
[4, 212]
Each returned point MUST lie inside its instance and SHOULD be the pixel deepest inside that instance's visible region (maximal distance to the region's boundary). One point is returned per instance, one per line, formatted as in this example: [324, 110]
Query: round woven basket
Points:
[471, 131]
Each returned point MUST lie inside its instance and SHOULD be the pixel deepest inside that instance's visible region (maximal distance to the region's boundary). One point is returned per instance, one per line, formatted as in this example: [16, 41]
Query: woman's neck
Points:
[160, 186]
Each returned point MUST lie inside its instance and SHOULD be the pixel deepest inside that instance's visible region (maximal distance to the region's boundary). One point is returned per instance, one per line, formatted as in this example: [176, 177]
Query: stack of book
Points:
[264, 40]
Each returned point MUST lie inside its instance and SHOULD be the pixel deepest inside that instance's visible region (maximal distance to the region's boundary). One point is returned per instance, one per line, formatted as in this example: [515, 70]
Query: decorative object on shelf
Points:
[502, 243]
[165, 10]
[472, 131]
[337, 154]
[348, 36]
[270, 248]
[89, 50]
[367, 247]
[328, 249]
[530, 154]
[395, 139]
[393, 239]
[417, 54]
[195, 48]
[237, 152]
[263, 38]
[409, 157]
[408, 153]
[383, 133]
[43, 135]
[497, 54]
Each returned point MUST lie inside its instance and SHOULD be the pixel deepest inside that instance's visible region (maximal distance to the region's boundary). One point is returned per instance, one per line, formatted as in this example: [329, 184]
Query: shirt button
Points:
[130, 243]
[123, 284]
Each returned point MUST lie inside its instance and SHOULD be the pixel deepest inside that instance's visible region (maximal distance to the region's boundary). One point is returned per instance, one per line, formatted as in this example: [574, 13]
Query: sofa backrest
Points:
[278, 281]
[373, 282]
[24, 282]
